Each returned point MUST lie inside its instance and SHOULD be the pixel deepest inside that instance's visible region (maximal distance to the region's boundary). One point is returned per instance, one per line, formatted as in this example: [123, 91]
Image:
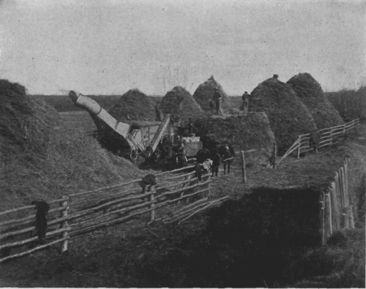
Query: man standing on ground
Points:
[227, 157]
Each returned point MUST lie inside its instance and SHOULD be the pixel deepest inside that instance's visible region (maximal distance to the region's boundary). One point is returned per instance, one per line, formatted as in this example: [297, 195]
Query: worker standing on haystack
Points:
[275, 76]
[217, 100]
[245, 102]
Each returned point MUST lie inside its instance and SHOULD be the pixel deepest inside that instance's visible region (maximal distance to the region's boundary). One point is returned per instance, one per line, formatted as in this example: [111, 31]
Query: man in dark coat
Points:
[245, 102]
[227, 155]
[217, 100]
[215, 163]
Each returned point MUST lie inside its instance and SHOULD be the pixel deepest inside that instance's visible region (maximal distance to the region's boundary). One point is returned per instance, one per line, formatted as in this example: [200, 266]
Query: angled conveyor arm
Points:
[160, 132]
[96, 110]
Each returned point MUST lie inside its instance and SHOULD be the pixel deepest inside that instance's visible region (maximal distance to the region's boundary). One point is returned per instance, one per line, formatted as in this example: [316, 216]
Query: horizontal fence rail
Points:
[177, 196]
[322, 138]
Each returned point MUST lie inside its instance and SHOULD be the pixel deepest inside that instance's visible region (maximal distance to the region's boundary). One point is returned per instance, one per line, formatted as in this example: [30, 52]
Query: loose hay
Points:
[25, 123]
[311, 94]
[134, 105]
[288, 116]
[41, 157]
[180, 104]
[204, 93]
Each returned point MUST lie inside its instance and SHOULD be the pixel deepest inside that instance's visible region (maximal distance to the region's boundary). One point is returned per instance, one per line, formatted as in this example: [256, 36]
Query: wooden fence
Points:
[177, 196]
[336, 204]
[327, 137]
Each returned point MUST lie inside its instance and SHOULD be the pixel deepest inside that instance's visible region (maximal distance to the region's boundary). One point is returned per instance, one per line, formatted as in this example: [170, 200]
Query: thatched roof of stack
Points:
[204, 95]
[311, 94]
[180, 104]
[287, 114]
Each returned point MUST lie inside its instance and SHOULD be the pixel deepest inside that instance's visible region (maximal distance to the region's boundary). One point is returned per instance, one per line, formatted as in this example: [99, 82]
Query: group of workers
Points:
[216, 102]
[215, 156]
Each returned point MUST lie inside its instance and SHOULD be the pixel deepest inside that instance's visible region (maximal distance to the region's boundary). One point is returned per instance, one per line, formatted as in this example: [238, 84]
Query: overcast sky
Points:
[108, 47]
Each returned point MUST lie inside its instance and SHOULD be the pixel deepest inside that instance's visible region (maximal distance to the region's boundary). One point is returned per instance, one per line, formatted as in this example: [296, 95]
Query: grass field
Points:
[63, 103]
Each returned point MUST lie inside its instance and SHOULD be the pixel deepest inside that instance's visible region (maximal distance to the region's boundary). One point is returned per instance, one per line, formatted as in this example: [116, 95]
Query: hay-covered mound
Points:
[311, 94]
[204, 95]
[45, 156]
[25, 123]
[180, 104]
[288, 116]
[246, 132]
[134, 105]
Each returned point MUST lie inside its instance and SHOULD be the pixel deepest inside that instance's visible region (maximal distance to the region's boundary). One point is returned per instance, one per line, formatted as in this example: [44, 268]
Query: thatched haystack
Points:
[134, 105]
[311, 94]
[246, 132]
[288, 116]
[180, 104]
[25, 122]
[45, 156]
[204, 95]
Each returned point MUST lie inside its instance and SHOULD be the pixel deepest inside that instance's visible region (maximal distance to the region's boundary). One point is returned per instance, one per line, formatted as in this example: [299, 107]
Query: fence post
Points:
[330, 216]
[65, 224]
[152, 206]
[322, 216]
[351, 217]
[299, 147]
[331, 136]
[243, 167]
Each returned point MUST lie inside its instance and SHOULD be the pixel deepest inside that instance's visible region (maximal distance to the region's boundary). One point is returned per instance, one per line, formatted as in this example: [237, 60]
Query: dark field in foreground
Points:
[238, 244]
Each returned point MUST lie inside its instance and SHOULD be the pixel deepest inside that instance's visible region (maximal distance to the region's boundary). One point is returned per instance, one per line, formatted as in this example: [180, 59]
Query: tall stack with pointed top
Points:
[288, 116]
[180, 104]
[205, 92]
[311, 94]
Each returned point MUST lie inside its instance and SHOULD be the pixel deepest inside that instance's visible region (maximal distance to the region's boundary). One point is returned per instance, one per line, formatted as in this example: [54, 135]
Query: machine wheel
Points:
[134, 156]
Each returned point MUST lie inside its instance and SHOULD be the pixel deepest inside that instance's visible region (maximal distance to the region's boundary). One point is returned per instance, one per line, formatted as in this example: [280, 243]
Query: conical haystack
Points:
[205, 92]
[25, 122]
[288, 116]
[134, 105]
[180, 104]
[44, 155]
[311, 94]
